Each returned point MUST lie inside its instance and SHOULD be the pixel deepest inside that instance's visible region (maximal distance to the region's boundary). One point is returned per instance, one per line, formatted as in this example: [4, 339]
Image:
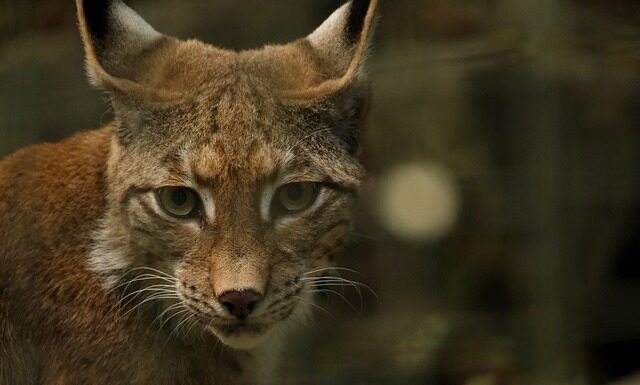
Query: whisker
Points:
[143, 277]
[167, 275]
[304, 300]
[170, 317]
[320, 285]
[121, 301]
[339, 282]
[322, 291]
[194, 323]
[177, 328]
[152, 297]
[136, 293]
[167, 288]
[331, 268]
[168, 309]
[306, 317]
[158, 318]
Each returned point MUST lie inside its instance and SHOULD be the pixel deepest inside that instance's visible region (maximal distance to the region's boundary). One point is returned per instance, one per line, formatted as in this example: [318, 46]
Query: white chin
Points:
[240, 340]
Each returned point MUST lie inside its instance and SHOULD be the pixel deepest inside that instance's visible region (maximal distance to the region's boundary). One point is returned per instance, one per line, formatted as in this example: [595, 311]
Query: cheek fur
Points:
[154, 238]
[320, 234]
[331, 243]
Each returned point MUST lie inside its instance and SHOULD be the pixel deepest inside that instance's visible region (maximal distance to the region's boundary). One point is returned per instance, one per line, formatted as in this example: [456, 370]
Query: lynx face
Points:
[247, 207]
[233, 176]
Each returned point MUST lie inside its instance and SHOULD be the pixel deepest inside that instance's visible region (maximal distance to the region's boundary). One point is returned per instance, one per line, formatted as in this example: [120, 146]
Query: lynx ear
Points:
[339, 47]
[120, 46]
[340, 44]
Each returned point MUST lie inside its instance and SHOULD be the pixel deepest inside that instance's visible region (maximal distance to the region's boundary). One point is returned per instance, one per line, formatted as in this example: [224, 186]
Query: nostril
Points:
[229, 306]
[240, 303]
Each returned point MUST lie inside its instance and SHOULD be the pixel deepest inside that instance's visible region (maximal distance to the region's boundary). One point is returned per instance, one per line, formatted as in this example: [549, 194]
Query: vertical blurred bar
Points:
[6, 27]
[554, 351]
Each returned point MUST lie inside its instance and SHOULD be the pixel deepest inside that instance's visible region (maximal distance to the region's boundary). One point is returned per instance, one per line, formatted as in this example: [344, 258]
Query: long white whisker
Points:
[339, 281]
[135, 294]
[322, 291]
[177, 328]
[304, 300]
[152, 297]
[168, 288]
[172, 316]
[154, 270]
[194, 323]
[144, 277]
[321, 285]
[331, 268]
[168, 309]
[155, 292]
[121, 301]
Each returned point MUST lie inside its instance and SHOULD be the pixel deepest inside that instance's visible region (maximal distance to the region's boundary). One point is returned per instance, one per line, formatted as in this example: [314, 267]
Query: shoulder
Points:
[55, 186]
[88, 147]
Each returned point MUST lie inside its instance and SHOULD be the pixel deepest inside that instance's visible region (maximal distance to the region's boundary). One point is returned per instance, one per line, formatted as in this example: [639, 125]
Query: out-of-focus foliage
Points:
[500, 225]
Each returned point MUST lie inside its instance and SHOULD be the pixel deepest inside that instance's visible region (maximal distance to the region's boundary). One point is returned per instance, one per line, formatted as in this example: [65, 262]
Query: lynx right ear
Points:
[120, 46]
[340, 44]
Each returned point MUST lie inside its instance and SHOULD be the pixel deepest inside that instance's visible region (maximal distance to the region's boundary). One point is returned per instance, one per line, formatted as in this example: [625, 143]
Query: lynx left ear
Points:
[341, 44]
[120, 46]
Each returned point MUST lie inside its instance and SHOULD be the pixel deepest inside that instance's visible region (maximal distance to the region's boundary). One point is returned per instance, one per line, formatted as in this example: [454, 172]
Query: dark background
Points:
[501, 220]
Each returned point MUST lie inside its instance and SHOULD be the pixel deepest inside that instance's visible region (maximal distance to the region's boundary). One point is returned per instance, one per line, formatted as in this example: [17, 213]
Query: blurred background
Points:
[500, 228]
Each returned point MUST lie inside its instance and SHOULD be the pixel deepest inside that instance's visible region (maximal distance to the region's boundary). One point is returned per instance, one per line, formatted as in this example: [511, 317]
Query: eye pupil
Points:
[295, 192]
[295, 197]
[179, 197]
[179, 202]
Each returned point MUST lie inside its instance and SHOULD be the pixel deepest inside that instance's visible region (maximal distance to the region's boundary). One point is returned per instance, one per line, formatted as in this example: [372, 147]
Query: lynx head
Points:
[232, 175]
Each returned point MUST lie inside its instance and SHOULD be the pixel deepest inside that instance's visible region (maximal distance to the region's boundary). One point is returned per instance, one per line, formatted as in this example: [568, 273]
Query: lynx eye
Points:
[295, 197]
[179, 202]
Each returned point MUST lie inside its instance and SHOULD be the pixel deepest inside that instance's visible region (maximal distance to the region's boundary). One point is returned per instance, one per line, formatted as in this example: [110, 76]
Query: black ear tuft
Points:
[341, 44]
[97, 14]
[355, 22]
[117, 42]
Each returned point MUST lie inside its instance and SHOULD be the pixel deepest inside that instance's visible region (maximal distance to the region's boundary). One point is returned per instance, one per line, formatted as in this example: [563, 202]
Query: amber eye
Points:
[179, 202]
[295, 197]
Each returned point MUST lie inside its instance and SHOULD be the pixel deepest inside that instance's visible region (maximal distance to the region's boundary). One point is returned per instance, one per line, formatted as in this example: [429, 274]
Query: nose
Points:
[240, 303]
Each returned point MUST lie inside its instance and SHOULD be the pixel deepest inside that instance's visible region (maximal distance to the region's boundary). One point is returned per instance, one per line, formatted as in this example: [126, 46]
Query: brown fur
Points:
[99, 286]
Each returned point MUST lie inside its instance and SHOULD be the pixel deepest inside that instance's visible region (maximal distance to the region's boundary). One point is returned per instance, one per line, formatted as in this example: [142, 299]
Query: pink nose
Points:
[240, 303]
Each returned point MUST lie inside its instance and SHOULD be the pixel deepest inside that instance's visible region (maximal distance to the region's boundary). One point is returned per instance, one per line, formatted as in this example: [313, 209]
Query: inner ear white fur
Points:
[130, 30]
[115, 39]
[127, 36]
[328, 38]
[341, 44]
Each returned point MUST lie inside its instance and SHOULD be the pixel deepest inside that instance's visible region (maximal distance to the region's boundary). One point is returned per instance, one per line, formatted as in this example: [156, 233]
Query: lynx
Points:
[178, 243]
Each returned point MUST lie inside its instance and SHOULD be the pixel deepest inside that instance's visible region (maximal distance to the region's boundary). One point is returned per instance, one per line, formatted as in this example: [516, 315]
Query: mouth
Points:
[240, 335]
